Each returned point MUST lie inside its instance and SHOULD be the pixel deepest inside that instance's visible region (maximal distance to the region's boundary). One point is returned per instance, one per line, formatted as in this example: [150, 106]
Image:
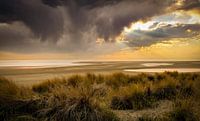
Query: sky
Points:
[100, 29]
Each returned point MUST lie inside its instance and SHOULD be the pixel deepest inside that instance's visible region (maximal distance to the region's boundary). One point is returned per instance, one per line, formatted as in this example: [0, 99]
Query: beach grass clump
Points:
[117, 79]
[14, 100]
[83, 110]
[187, 90]
[137, 102]
[8, 90]
[43, 87]
[168, 92]
[142, 100]
[121, 103]
[166, 89]
[100, 79]
[78, 106]
[48, 85]
[135, 96]
[75, 80]
[184, 111]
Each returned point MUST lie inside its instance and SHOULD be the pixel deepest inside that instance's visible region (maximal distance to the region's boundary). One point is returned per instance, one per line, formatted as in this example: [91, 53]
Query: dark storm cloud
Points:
[14, 39]
[45, 22]
[190, 4]
[81, 3]
[114, 19]
[108, 16]
[74, 23]
[53, 3]
[10, 36]
[140, 38]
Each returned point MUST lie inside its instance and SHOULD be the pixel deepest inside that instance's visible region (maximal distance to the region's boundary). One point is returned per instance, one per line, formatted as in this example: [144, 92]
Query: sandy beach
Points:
[40, 71]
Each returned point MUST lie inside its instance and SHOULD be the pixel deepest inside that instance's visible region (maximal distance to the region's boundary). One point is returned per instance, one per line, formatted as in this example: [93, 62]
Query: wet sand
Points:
[159, 70]
[25, 75]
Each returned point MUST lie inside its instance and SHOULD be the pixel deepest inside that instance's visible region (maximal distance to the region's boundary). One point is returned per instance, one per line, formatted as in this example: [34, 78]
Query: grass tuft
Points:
[82, 109]
[183, 111]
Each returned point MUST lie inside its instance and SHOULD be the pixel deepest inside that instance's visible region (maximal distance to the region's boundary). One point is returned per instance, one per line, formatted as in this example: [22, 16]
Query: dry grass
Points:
[93, 97]
[184, 110]
[10, 91]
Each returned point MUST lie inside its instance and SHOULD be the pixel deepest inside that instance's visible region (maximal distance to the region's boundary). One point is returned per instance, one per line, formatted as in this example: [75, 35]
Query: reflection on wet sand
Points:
[164, 69]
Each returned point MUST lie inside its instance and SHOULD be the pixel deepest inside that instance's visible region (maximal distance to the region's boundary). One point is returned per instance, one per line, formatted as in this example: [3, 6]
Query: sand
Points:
[25, 75]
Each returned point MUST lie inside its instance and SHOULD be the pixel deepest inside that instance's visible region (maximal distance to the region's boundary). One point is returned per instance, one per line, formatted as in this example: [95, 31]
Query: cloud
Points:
[190, 4]
[44, 21]
[16, 37]
[71, 25]
[141, 38]
[81, 3]
[112, 19]
[92, 19]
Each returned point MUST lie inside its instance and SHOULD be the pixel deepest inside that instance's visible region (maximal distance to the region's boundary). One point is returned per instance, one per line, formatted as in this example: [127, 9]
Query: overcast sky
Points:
[100, 29]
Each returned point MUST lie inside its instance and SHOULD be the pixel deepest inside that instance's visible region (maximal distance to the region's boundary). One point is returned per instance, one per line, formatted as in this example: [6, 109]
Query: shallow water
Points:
[156, 64]
[184, 70]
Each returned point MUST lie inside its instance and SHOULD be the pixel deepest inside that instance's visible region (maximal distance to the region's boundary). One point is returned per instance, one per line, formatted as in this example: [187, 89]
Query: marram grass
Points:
[93, 97]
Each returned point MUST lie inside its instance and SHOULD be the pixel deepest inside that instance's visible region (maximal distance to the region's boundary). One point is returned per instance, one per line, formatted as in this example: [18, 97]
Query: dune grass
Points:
[92, 97]
[10, 91]
[184, 111]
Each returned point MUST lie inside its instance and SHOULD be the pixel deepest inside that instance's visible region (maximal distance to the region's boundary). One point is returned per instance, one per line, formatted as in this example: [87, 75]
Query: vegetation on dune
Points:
[148, 118]
[184, 110]
[81, 109]
[16, 102]
[10, 91]
[93, 97]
